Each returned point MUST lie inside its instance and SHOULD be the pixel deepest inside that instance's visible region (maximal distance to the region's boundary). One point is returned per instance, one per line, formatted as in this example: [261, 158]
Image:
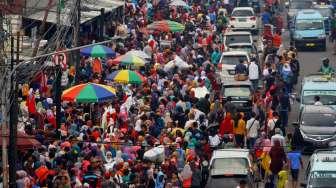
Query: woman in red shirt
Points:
[226, 126]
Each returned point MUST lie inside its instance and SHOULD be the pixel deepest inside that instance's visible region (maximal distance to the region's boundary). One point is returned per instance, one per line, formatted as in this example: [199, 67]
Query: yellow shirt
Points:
[241, 127]
[283, 177]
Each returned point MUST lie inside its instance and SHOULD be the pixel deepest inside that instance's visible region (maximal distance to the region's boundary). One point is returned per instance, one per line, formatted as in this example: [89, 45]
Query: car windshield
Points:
[233, 39]
[238, 164]
[315, 119]
[233, 60]
[300, 5]
[242, 13]
[309, 24]
[237, 91]
[247, 49]
[322, 179]
[326, 97]
[325, 12]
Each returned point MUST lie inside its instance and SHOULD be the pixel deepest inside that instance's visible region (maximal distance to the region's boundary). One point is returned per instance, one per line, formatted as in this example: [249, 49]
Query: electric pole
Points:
[13, 116]
[58, 72]
[76, 35]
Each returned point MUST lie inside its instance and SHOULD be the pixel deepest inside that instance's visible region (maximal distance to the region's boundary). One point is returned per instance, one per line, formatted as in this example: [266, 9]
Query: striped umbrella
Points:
[89, 92]
[166, 26]
[129, 59]
[97, 51]
[126, 76]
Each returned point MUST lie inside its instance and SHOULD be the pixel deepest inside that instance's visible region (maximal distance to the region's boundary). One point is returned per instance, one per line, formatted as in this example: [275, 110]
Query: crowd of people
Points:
[103, 144]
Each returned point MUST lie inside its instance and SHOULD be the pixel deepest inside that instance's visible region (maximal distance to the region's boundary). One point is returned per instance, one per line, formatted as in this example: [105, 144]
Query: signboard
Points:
[60, 58]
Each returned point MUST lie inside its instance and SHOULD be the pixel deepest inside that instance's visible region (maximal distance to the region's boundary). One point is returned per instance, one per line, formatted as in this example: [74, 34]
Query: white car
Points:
[229, 60]
[229, 166]
[243, 18]
[233, 37]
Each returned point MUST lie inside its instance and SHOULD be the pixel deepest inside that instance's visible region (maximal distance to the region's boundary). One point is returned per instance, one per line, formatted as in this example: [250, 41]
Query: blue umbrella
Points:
[98, 51]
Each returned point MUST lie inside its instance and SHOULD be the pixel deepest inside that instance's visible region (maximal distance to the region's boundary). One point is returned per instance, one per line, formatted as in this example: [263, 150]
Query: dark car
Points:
[294, 7]
[317, 124]
[240, 93]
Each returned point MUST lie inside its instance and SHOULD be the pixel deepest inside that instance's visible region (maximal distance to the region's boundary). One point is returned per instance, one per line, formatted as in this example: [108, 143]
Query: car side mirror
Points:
[303, 184]
[295, 123]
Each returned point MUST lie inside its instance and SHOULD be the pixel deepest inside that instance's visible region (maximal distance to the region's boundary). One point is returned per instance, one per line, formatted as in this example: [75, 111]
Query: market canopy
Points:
[97, 51]
[140, 54]
[89, 92]
[23, 140]
[166, 26]
[129, 60]
[126, 77]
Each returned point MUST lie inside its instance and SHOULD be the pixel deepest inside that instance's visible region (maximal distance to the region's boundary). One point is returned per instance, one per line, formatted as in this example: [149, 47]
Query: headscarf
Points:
[186, 172]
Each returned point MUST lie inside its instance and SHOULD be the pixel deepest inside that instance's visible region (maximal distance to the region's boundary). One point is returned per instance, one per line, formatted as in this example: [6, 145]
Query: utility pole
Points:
[58, 71]
[76, 35]
[13, 117]
[3, 104]
[102, 24]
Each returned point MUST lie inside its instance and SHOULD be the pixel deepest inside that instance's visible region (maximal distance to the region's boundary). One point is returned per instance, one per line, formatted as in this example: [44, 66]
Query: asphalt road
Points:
[310, 62]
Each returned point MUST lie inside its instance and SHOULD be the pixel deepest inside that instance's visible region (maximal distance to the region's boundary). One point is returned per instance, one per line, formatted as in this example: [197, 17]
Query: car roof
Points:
[241, 44]
[231, 53]
[318, 82]
[318, 109]
[306, 14]
[324, 160]
[232, 82]
[322, 6]
[238, 33]
[231, 153]
[243, 8]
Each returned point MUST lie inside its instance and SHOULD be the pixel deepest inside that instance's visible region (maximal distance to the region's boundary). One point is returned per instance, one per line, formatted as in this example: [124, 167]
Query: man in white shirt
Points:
[253, 74]
[317, 101]
[278, 137]
[271, 123]
[252, 126]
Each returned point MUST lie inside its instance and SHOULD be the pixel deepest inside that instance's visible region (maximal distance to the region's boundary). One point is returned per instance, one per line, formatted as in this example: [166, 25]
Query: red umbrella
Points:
[23, 140]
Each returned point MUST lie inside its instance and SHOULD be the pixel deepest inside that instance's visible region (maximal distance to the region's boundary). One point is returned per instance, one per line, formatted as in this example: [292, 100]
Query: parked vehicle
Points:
[240, 93]
[234, 37]
[229, 60]
[294, 7]
[309, 30]
[317, 84]
[321, 169]
[229, 166]
[327, 12]
[243, 18]
[317, 125]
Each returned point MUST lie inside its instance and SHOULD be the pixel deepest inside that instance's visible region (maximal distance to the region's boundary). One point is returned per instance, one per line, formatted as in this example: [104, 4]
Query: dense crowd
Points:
[103, 144]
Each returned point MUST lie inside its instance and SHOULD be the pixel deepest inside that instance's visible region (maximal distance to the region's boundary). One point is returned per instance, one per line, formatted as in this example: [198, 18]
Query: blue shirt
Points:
[265, 18]
[294, 158]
